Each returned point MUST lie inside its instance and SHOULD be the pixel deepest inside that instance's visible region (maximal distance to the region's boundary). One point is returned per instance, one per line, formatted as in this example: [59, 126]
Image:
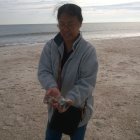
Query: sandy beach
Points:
[23, 116]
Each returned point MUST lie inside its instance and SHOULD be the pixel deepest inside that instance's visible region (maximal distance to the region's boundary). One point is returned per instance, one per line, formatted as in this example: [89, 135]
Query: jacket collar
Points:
[58, 39]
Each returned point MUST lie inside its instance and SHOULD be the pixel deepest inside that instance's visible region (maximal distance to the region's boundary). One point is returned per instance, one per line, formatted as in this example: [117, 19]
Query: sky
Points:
[44, 11]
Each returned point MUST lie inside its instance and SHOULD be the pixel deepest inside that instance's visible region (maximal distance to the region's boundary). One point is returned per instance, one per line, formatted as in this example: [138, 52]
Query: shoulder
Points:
[48, 43]
[87, 47]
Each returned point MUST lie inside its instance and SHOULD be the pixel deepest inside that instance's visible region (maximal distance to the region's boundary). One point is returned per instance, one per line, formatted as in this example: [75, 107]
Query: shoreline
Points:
[117, 99]
[88, 39]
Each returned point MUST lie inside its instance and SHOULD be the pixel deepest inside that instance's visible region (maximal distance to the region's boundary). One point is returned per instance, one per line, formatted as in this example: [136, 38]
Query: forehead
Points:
[67, 18]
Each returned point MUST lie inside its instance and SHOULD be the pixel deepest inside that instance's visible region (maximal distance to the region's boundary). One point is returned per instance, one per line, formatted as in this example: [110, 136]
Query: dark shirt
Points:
[66, 55]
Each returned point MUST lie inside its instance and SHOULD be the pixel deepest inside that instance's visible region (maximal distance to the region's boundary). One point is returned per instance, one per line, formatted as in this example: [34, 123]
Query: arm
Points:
[45, 73]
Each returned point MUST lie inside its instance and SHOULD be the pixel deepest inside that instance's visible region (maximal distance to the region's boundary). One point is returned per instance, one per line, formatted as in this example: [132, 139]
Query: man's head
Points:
[69, 21]
[71, 10]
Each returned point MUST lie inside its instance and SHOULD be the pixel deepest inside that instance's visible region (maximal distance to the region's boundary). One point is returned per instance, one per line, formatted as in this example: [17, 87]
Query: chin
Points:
[67, 38]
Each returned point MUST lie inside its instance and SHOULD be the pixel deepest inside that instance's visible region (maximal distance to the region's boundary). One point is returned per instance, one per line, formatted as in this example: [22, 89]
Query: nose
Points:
[65, 29]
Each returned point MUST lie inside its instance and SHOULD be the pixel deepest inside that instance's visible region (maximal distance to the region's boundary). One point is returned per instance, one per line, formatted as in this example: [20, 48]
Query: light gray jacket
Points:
[78, 74]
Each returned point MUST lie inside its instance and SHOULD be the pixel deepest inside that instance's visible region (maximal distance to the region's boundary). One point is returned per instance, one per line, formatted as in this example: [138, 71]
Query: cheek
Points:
[75, 33]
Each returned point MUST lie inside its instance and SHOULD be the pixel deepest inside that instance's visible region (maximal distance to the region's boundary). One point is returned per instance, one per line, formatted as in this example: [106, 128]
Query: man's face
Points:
[69, 27]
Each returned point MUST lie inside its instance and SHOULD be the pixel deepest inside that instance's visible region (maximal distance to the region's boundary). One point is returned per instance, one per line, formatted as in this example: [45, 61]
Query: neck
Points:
[68, 46]
[69, 43]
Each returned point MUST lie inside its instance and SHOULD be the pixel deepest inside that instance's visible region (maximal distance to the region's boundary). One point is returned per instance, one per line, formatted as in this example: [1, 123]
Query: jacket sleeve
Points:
[45, 73]
[85, 84]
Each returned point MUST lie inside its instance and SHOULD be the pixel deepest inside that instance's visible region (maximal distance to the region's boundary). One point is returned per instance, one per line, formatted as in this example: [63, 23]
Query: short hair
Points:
[70, 9]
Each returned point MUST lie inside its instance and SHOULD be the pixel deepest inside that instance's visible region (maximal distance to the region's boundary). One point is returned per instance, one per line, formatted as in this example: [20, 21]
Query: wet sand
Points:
[23, 116]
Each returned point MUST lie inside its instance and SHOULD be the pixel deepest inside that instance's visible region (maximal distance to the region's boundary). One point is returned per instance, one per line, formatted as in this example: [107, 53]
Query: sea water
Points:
[11, 35]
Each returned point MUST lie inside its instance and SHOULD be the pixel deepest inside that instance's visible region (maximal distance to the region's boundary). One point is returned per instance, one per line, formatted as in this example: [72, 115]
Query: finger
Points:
[69, 102]
[59, 108]
[45, 101]
[53, 92]
[46, 98]
[62, 109]
[48, 92]
[55, 105]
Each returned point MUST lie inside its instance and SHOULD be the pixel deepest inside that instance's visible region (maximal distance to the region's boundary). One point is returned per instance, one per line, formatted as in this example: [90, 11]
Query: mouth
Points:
[66, 35]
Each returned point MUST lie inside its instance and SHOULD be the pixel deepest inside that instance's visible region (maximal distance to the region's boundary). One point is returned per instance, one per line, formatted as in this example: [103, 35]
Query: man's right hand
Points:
[53, 93]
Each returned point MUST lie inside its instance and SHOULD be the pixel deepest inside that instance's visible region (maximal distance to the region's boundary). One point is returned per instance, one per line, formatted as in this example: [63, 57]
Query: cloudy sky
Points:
[44, 11]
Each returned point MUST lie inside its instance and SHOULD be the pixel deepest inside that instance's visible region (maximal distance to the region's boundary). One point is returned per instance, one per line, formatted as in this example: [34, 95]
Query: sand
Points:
[23, 116]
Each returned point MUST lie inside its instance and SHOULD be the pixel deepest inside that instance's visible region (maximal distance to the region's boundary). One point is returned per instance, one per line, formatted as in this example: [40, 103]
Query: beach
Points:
[116, 97]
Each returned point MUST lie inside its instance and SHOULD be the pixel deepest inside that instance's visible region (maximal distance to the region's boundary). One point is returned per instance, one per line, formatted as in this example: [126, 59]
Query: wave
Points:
[86, 36]
[28, 34]
[21, 35]
[21, 44]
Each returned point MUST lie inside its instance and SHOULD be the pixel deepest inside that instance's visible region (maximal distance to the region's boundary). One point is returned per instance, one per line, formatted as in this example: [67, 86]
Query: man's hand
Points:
[64, 108]
[51, 94]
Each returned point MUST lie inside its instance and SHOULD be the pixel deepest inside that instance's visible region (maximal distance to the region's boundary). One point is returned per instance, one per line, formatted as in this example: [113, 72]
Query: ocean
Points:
[11, 35]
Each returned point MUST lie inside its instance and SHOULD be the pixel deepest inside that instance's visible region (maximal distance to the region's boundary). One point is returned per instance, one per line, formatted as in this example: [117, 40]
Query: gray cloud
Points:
[126, 6]
[43, 11]
[20, 5]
